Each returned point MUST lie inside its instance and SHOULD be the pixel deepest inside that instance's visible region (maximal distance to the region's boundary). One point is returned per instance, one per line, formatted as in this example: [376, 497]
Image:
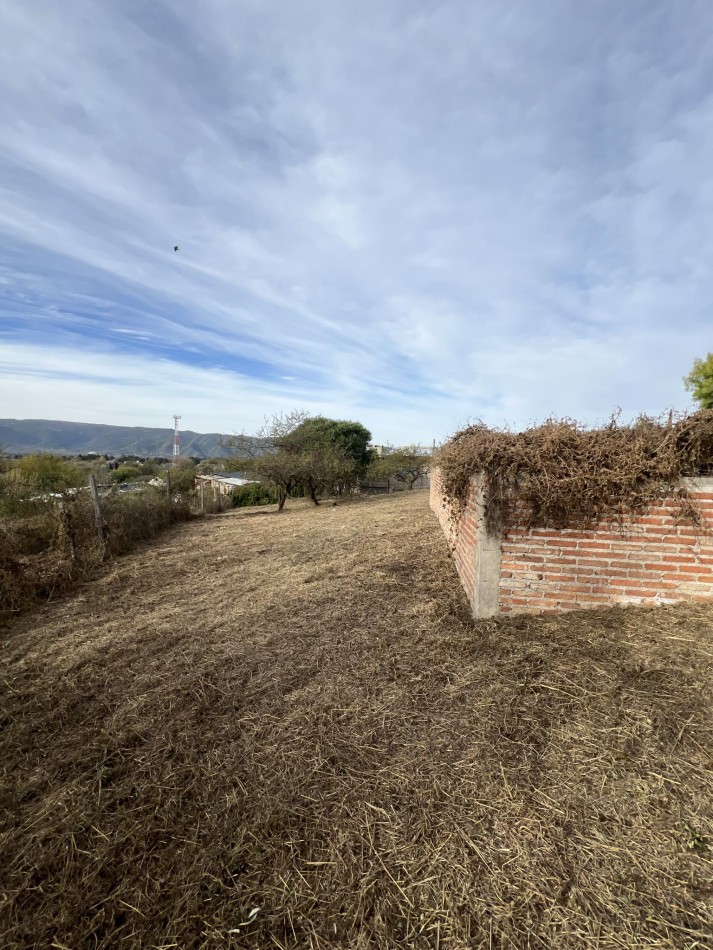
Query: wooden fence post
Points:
[168, 490]
[202, 497]
[98, 515]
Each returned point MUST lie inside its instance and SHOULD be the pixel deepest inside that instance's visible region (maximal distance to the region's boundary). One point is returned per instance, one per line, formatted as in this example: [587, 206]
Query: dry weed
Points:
[55, 547]
[286, 731]
[560, 473]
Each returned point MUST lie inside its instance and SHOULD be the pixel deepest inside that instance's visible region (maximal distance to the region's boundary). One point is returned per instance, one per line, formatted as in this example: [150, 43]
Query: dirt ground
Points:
[286, 731]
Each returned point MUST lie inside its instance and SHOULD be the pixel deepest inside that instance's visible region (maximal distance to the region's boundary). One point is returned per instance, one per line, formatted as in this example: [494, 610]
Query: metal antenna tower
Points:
[176, 440]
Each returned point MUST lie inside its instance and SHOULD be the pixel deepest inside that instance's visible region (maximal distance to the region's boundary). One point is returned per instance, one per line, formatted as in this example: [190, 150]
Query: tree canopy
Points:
[294, 450]
[699, 381]
[352, 438]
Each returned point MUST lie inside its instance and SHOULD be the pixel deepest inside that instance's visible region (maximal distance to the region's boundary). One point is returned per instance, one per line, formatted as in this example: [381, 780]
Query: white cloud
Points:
[405, 213]
[100, 387]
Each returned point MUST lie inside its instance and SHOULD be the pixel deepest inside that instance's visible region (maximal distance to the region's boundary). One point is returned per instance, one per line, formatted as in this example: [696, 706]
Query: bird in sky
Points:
[175, 247]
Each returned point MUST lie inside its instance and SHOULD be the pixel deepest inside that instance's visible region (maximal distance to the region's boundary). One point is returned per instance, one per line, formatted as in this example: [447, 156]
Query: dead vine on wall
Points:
[561, 473]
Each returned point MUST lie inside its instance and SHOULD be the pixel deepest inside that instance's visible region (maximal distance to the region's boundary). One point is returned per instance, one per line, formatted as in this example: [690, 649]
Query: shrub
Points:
[128, 473]
[254, 493]
[50, 545]
[43, 472]
[183, 476]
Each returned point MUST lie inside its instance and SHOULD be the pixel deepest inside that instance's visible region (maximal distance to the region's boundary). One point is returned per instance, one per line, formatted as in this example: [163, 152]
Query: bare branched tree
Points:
[406, 465]
[268, 455]
[294, 450]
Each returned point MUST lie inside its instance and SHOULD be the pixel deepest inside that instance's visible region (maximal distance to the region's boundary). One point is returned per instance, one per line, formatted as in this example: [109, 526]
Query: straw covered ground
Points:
[286, 731]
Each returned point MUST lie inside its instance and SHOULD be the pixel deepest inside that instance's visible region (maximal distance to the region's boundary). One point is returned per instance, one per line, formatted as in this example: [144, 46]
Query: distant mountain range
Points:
[22, 436]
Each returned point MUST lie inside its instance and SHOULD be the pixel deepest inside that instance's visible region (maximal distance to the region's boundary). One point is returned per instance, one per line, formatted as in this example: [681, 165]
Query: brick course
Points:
[652, 559]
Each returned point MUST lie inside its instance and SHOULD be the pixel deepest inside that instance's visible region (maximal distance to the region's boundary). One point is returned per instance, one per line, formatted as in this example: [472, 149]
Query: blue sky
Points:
[411, 214]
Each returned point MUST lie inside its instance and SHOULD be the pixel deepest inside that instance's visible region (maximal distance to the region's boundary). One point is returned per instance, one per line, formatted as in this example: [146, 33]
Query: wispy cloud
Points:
[408, 213]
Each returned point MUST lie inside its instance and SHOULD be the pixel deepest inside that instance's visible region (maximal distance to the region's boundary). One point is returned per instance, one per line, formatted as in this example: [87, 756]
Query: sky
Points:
[412, 214]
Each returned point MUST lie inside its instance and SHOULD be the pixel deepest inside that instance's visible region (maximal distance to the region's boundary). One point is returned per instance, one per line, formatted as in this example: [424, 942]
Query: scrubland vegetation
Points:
[48, 529]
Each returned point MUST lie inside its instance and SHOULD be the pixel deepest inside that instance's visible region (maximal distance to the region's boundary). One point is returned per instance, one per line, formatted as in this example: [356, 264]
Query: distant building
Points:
[224, 482]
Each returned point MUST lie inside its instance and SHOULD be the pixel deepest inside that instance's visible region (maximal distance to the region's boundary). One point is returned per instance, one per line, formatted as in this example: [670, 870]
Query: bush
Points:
[128, 473]
[51, 545]
[43, 473]
[183, 477]
[139, 516]
[252, 494]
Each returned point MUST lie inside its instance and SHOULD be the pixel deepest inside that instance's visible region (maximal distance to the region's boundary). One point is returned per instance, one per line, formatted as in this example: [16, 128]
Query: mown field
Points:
[286, 731]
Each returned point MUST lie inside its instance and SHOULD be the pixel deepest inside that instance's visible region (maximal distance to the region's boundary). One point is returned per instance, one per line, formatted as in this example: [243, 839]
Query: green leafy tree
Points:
[699, 381]
[405, 465]
[295, 451]
[332, 452]
[268, 455]
[350, 439]
[326, 469]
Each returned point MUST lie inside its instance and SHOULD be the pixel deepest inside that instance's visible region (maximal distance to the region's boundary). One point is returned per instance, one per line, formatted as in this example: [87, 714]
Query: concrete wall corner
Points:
[488, 557]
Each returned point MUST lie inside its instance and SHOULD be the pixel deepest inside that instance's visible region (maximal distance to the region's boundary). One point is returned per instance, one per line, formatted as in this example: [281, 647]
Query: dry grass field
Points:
[285, 731]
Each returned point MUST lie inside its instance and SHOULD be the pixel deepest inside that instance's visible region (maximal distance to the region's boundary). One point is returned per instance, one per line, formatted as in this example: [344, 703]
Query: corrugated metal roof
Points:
[235, 480]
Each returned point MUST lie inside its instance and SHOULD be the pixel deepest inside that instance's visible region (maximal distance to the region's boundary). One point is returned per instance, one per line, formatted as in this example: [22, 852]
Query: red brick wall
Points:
[655, 559]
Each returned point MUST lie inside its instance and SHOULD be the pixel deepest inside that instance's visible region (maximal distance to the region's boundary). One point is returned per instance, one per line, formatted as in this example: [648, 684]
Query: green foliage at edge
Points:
[699, 382]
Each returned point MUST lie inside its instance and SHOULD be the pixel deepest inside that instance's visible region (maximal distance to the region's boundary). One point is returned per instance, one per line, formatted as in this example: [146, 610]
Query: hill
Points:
[21, 436]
